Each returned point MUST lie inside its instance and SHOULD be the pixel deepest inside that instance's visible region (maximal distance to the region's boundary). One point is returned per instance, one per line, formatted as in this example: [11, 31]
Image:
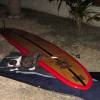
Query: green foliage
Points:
[79, 9]
[96, 17]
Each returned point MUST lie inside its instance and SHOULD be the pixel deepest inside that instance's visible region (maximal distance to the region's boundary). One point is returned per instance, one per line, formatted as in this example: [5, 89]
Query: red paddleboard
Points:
[55, 60]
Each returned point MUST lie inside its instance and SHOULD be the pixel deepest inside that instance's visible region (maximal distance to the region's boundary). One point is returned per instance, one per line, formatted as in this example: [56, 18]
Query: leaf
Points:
[95, 17]
[51, 0]
[59, 5]
[85, 4]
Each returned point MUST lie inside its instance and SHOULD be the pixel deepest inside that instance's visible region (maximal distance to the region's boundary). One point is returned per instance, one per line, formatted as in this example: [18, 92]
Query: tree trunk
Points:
[79, 25]
[14, 7]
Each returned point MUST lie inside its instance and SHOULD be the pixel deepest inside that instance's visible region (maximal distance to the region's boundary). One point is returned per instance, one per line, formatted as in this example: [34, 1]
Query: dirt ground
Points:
[60, 31]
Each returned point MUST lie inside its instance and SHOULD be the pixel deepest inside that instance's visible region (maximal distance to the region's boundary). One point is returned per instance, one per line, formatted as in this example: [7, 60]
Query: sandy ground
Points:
[14, 90]
[59, 31]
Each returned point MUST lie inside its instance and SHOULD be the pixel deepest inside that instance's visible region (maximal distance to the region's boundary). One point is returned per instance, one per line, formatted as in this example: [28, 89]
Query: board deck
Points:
[54, 60]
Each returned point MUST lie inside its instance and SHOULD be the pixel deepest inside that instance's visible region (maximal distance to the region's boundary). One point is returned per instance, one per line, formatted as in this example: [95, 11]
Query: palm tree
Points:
[79, 10]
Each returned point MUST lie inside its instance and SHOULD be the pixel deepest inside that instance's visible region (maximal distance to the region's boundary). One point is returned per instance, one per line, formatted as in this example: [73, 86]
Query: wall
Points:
[45, 6]
[51, 8]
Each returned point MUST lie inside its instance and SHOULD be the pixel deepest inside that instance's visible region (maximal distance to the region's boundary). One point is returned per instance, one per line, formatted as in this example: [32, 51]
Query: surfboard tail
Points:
[85, 86]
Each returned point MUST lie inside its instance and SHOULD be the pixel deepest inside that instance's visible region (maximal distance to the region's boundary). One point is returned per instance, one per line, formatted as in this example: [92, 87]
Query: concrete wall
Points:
[45, 6]
[51, 8]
